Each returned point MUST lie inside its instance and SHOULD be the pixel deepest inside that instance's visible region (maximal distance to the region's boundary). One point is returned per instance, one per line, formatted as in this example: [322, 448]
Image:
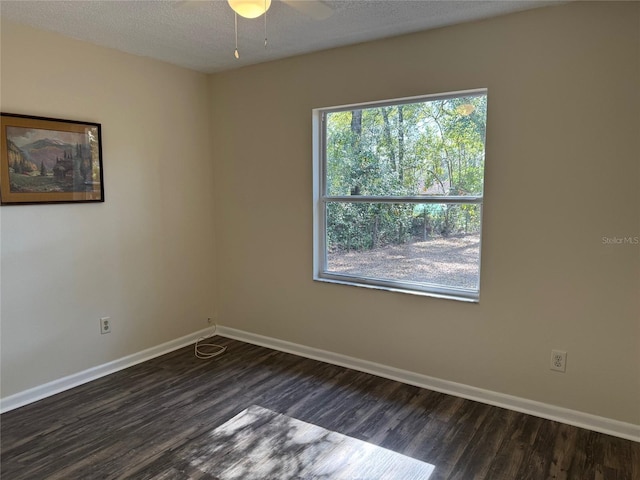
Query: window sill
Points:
[462, 296]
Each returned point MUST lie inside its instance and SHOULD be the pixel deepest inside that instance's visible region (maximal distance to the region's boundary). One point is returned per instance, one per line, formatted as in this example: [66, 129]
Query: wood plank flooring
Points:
[132, 424]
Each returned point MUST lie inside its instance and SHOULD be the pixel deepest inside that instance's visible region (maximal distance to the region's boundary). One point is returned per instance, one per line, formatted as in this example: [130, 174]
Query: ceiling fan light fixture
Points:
[249, 8]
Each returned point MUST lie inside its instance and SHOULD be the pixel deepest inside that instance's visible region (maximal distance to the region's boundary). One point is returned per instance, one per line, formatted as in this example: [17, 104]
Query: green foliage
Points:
[433, 148]
[24, 166]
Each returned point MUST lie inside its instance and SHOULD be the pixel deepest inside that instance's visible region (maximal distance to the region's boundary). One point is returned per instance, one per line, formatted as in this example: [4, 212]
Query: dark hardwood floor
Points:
[122, 425]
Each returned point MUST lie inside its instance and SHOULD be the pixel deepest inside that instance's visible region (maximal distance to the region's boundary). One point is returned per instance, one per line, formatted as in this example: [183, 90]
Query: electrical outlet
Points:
[558, 360]
[105, 325]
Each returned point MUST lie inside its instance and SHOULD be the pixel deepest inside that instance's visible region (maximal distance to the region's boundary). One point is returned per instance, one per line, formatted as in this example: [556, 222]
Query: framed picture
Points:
[48, 160]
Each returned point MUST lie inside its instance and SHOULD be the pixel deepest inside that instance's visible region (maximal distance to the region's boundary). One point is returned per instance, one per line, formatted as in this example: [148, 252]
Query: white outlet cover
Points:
[105, 325]
[558, 360]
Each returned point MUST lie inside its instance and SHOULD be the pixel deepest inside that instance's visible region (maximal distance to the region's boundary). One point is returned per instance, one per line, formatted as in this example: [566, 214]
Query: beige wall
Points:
[144, 257]
[562, 172]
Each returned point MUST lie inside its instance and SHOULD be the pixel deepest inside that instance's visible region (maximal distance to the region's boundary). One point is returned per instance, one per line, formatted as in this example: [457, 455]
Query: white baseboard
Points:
[596, 423]
[42, 391]
[576, 418]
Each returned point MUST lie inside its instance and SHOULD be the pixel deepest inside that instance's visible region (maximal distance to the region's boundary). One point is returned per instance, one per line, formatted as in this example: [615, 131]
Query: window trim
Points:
[321, 200]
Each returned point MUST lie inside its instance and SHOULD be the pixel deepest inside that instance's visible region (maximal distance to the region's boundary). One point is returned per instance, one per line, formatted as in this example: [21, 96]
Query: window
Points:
[398, 188]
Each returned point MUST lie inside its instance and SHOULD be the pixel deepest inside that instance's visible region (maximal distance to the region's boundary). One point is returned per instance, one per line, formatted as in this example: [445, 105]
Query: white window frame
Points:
[321, 199]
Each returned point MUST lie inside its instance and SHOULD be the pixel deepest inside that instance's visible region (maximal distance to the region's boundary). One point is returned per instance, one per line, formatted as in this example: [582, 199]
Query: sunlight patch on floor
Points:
[259, 444]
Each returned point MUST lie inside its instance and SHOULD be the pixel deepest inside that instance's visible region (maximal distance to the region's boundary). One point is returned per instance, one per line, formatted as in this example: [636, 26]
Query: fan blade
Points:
[315, 9]
[188, 3]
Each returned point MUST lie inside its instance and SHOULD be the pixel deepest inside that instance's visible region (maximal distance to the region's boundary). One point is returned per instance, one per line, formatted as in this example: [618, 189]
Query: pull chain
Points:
[237, 55]
[265, 23]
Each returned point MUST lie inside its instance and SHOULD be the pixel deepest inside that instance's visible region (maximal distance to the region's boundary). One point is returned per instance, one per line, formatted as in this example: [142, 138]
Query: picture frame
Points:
[49, 160]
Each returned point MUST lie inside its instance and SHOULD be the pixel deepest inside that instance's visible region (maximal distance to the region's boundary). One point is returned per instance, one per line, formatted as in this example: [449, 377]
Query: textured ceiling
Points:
[199, 34]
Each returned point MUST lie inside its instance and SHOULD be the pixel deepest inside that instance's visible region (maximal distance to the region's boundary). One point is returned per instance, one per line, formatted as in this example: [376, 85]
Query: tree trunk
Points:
[356, 130]
[374, 234]
[356, 147]
[401, 143]
[425, 231]
[387, 132]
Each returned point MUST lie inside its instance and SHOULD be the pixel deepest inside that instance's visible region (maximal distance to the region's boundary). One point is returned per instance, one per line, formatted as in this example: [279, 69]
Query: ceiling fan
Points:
[315, 9]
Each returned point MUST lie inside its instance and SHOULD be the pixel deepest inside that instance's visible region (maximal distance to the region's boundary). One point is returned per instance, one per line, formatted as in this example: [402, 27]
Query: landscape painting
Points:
[48, 160]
